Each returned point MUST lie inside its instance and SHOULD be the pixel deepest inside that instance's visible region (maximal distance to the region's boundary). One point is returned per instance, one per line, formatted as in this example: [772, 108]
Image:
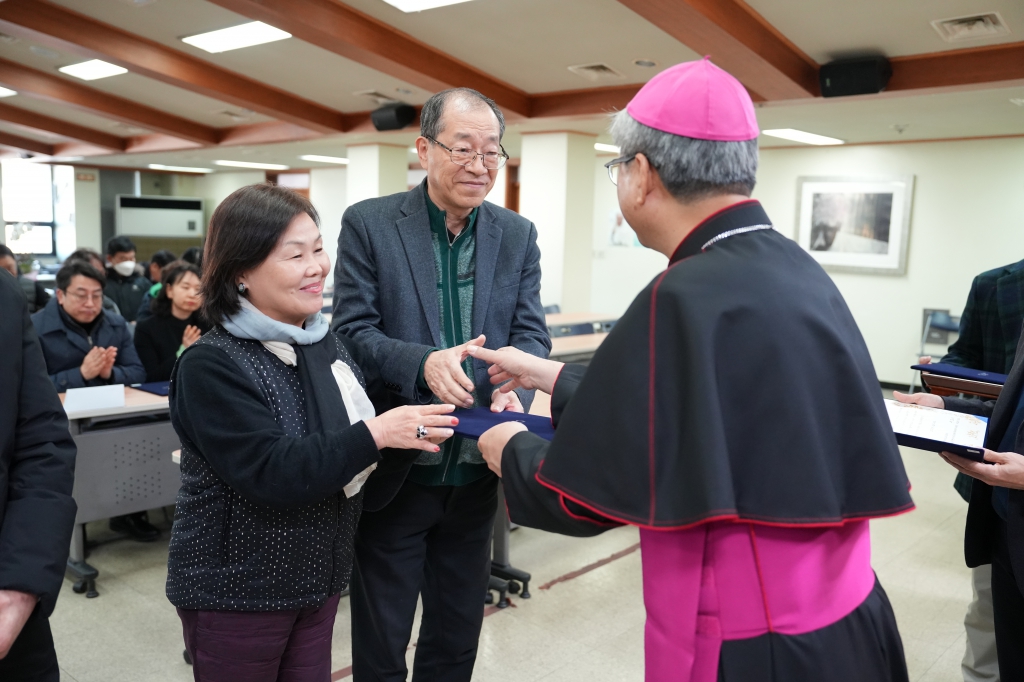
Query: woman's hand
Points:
[1006, 469]
[512, 368]
[191, 335]
[398, 428]
[923, 399]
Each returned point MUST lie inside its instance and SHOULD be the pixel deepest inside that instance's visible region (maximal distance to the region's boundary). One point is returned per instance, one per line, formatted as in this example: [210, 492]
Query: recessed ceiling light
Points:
[325, 159]
[420, 5]
[179, 169]
[236, 37]
[610, 148]
[403, 91]
[92, 70]
[646, 63]
[251, 164]
[801, 136]
[4, 92]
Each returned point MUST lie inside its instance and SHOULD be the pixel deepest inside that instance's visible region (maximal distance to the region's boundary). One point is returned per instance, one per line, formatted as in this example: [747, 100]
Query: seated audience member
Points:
[35, 294]
[276, 416]
[193, 255]
[175, 322]
[154, 270]
[85, 345]
[94, 259]
[125, 282]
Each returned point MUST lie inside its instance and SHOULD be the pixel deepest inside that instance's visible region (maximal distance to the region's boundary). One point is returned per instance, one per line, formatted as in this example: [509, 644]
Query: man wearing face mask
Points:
[125, 284]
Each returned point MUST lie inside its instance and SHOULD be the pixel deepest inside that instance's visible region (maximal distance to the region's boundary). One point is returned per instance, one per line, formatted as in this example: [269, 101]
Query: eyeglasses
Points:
[613, 167]
[466, 157]
[82, 297]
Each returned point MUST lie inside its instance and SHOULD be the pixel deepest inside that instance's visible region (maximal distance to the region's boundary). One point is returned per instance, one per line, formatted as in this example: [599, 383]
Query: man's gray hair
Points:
[690, 169]
[431, 116]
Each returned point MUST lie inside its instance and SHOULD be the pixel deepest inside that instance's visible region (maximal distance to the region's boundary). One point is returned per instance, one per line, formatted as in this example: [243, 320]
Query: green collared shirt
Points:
[459, 461]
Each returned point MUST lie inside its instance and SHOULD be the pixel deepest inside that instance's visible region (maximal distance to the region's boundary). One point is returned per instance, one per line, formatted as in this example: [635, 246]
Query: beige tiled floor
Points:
[589, 628]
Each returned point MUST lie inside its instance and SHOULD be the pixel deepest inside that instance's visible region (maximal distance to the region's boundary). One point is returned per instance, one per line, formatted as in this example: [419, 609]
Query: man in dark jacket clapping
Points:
[37, 513]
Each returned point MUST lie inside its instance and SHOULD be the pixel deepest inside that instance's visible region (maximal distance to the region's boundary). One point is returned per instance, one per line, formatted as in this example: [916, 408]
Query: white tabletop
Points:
[135, 402]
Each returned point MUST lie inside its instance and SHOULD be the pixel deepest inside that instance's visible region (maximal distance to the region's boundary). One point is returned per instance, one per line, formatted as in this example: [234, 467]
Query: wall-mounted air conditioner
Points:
[159, 216]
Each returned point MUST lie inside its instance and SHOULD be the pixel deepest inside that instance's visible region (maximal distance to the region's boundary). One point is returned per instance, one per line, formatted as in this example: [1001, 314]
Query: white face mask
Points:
[125, 268]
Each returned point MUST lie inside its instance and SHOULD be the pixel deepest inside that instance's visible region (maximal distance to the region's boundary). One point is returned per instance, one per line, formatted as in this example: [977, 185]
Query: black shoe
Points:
[135, 525]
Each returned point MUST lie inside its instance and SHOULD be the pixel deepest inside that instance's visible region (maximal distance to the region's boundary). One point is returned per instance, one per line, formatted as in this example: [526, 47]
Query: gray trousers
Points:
[980, 664]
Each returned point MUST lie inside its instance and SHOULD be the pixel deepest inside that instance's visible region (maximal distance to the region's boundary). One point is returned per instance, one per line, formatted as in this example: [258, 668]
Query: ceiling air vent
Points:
[378, 97]
[596, 72]
[988, 25]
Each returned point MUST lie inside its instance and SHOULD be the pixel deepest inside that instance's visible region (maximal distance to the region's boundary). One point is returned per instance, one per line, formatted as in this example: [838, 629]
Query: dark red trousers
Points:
[260, 646]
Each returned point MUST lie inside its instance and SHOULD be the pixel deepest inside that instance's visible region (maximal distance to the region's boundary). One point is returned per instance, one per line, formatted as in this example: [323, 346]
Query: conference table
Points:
[124, 466]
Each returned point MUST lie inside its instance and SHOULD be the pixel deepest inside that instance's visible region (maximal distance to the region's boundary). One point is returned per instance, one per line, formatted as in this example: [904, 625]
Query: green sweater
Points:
[459, 461]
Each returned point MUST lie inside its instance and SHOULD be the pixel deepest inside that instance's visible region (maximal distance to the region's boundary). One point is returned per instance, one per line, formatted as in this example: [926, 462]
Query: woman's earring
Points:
[242, 288]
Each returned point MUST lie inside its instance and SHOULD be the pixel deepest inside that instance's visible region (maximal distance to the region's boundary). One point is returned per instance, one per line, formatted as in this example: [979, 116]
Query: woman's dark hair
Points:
[243, 232]
[171, 275]
[162, 258]
[76, 266]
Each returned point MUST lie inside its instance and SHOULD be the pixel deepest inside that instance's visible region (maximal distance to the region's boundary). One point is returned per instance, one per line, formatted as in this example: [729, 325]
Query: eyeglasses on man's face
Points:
[613, 167]
[81, 296]
[463, 156]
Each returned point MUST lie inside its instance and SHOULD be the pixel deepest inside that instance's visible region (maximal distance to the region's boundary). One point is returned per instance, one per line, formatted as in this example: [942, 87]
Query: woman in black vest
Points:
[175, 323]
[277, 422]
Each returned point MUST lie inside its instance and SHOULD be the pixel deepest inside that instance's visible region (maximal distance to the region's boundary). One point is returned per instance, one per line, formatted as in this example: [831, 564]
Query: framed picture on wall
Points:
[856, 224]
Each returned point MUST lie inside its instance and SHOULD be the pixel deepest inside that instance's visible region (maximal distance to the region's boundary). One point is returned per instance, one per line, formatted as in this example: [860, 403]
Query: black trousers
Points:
[429, 540]
[32, 657]
[1008, 611]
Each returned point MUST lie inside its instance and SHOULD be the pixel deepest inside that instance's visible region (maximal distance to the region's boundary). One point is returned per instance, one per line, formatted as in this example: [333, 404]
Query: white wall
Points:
[215, 188]
[967, 217]
[327, 192]
[88, 233]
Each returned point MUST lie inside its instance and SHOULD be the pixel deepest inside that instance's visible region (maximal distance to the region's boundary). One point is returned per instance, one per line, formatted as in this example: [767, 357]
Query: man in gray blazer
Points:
[419, 277]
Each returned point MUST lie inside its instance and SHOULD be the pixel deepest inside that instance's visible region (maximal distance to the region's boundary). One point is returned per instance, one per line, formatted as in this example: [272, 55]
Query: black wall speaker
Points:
[394, 116]
[862, 76]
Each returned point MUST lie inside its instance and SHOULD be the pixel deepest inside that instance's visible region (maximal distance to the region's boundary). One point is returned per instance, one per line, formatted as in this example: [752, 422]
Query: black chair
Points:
[549, 309]
[571, 329]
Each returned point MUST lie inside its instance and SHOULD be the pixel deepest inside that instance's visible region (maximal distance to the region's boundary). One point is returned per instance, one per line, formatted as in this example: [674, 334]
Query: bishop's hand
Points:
[924, 399]
[511, 368]
[493, 441]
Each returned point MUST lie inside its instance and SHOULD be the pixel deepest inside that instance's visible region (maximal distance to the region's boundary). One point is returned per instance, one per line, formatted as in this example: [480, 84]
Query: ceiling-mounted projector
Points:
[393, 116]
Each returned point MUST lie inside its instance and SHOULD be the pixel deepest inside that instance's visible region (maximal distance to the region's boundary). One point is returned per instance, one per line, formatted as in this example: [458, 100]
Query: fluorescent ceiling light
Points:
[251, 164]
[4, 92]
[92, 70]
[420, 5]
[325, 159]
[243, 35]
[601, 147]
[179, 169]
[801, 136]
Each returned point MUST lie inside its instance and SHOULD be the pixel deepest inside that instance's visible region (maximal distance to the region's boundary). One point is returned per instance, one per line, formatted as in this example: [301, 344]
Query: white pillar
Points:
[327, 192]
[556, 192]
[376, 170]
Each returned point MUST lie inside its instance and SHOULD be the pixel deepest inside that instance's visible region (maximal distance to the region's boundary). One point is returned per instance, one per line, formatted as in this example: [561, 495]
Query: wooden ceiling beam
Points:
[583, 102]
[31, 119]
[345, 31]
[25, 144]
[62, 29]
[739, 40]
[39, 84]
[972, 66]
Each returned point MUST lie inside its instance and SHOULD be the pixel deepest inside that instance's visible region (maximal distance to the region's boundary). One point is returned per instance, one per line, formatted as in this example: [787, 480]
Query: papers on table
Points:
[928, 428]
[94, 398]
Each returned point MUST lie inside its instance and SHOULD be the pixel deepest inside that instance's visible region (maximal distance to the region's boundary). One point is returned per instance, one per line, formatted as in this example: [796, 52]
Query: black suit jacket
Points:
[37, 460]
[982, 520]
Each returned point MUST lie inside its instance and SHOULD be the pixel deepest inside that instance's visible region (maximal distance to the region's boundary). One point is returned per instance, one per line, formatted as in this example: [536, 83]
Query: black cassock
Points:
[736, 386]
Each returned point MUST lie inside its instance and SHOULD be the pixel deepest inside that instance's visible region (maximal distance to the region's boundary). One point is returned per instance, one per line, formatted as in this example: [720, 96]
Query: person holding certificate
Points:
[732, 414]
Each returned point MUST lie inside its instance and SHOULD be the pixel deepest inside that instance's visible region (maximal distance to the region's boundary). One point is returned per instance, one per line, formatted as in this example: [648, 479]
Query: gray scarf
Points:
[250, 323]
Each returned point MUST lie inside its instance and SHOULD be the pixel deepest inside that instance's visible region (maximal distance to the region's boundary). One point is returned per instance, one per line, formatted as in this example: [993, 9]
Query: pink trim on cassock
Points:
[718, 581]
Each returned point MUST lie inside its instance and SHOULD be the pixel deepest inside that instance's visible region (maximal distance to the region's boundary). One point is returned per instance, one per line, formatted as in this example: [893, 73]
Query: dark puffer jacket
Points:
[261, 522]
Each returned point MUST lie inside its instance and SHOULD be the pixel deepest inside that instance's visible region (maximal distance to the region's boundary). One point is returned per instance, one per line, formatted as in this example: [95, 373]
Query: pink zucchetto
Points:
[698, 100]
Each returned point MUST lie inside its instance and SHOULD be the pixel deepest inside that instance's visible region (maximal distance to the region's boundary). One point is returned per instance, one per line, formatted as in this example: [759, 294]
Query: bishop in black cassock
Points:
[733, 414]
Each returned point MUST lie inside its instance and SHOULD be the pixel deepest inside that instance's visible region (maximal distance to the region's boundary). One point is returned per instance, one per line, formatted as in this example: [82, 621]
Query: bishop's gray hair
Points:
[432, 114]
[690, 169]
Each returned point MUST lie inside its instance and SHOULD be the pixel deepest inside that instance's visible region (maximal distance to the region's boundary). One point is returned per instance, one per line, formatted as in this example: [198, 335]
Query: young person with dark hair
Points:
[154, 271]
[125, 283]
[35, 294]
[175, 322]
[279, 427]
